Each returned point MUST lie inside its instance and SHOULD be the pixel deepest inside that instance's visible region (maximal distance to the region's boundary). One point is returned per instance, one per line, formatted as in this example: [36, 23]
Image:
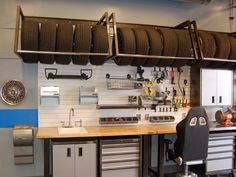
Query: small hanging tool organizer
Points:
[120, 83]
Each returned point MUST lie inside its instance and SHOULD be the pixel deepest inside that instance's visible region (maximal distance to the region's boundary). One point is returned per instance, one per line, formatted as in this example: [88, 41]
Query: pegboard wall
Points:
[50, 116]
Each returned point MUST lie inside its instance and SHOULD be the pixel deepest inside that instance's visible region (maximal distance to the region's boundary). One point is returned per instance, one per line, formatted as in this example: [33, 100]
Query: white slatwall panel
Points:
[69, 94]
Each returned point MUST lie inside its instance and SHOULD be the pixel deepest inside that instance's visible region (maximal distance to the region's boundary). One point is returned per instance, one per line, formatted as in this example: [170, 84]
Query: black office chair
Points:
[191, 144]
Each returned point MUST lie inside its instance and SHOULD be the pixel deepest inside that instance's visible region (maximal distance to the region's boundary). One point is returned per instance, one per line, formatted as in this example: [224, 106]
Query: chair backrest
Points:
[192, 135]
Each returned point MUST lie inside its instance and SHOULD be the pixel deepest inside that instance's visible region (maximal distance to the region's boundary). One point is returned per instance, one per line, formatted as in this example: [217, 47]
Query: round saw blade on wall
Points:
[13, 92]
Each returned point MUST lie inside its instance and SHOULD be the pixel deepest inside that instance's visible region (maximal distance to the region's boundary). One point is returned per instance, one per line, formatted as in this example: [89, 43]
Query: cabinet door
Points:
[85, 160]
[208, 87]
[224, 87]
[63, 161]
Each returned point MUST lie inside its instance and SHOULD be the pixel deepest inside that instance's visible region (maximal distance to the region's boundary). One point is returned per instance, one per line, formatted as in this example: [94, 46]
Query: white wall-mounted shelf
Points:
[50, 96]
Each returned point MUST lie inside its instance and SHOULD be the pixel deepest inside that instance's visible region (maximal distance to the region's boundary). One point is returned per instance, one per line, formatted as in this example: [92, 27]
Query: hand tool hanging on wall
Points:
[172, 75]
[140, 72]
[165, 96]
[154, 74]
[160, 75]
[51, 73]
[149, 91]
[174, 96]
[180, 71]
[174, 101]
[165, 73]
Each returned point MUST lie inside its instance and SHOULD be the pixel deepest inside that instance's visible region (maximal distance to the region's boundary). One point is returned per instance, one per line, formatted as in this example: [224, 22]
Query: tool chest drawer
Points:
[221, 164]
[120, 157]
[221, 148]
[219, 141]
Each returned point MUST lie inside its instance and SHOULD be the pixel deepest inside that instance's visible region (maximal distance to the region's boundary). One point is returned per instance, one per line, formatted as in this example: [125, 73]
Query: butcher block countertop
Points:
[104, 131]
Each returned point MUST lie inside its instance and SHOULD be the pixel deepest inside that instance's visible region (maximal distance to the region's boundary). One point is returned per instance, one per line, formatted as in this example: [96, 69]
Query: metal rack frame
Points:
[193, 32]
[104, 20]
[180, 26]
[192, 28]
[111, 24]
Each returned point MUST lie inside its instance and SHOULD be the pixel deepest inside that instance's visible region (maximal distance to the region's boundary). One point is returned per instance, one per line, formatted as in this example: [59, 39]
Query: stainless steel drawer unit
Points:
[221, 149]
[120, 158]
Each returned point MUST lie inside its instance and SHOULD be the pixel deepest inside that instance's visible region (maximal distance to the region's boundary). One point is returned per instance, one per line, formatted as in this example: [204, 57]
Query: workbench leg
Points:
[46, 158]
[161, 155]
[146, 149]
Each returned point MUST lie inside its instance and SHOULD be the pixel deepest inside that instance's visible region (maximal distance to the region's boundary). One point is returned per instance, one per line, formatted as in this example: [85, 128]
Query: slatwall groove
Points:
[69, 94]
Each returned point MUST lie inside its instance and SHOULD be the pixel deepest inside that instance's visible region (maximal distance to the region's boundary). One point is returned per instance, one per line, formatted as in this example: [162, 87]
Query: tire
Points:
[126, 43]
[64, 42]
[222, 45]
[184, 47]
[47, 42]
[82, 39]
[208, 44]
[208, 47]
[222, 49]
[142, 46]
[170, 46]
[155, 47]
[232, 54]
[29, 40]
[100, 44]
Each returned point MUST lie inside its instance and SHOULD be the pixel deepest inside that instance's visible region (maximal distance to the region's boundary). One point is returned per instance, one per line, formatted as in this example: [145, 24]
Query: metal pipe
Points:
[19, 16]
[185, 169]
[60, 53]
[232, 16]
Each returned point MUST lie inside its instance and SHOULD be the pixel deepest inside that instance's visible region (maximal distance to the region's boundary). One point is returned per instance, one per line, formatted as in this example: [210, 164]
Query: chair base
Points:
[190, 174]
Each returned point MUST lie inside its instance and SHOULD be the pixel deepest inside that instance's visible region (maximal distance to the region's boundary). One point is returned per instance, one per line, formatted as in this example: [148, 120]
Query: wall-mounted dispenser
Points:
[49, 96]
[88, 95]
[23, 144]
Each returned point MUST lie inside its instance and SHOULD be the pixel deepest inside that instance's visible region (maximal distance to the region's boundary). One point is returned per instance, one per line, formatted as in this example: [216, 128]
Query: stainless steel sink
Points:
[71, 130]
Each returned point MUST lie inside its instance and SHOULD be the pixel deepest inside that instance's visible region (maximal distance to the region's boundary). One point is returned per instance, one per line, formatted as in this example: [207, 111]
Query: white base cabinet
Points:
[216, 87]
[74, 160]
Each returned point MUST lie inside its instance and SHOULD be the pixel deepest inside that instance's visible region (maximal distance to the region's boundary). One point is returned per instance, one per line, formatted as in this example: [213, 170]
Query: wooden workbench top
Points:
[103, 131]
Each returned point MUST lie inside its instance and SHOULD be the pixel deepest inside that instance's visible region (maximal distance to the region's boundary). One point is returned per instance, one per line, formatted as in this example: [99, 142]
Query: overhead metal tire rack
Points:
[62, 41]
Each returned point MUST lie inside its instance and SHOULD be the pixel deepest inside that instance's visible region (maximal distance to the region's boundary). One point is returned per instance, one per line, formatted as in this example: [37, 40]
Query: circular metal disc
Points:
[13, 92]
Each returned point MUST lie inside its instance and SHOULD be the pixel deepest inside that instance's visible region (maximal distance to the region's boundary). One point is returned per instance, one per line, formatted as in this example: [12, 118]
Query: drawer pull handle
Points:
[120, 167]
[68, 152]
[80, 152]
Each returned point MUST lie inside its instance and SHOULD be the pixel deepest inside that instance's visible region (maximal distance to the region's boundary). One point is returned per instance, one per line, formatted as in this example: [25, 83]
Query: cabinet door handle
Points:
[220, 99]
[213, 99]
[68, 152]
[80, 151]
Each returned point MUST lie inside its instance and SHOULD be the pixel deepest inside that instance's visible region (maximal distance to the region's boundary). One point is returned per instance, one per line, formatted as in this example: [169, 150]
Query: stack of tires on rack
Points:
[63, 37]
[136, 41]
[173, 43]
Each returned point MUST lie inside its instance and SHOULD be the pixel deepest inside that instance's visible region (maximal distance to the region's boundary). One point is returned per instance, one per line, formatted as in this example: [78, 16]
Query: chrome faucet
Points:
[71, 113]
